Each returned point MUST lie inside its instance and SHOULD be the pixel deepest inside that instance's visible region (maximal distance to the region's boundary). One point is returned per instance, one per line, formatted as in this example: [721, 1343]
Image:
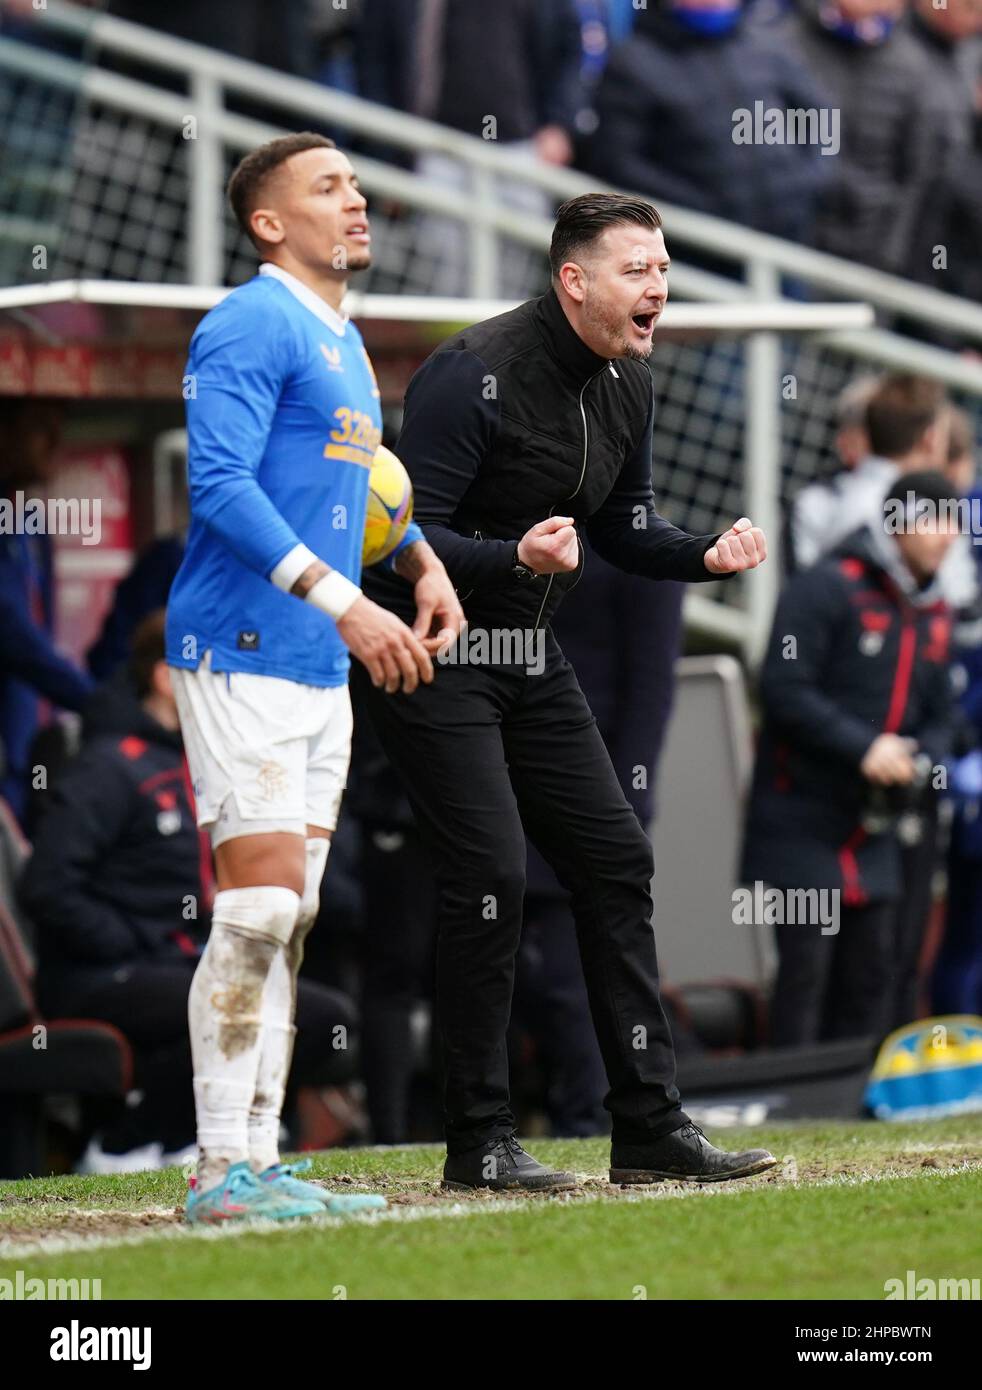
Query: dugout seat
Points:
[38, 1056]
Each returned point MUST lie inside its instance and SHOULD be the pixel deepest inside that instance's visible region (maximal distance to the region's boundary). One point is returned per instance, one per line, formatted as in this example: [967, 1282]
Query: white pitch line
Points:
[496, 1206]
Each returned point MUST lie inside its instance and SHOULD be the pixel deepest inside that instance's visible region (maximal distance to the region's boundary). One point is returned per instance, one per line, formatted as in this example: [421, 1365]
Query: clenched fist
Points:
[742, 547]
[551, 546]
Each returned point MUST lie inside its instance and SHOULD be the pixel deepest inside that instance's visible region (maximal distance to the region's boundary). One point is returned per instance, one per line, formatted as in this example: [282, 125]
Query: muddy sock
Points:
[225, 1018]
[279, 1010]
[274, 1065]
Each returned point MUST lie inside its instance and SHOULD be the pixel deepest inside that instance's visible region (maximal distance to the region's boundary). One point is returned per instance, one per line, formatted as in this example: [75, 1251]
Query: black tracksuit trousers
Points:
[484, 751]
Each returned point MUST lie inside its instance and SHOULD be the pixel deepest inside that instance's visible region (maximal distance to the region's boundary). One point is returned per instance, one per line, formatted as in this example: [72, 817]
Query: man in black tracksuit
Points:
[544, 409]
[857, 718]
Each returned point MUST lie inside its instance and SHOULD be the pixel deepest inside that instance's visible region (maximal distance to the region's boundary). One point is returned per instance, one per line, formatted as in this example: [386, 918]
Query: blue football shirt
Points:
[283, 421]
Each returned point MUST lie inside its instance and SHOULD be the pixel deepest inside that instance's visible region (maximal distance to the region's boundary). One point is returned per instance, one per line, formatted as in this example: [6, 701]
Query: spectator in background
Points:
[959, 466]
[277, 35]
[457, 63]
[957, 985]
[508, 72]
[921, 839]
[119, 888]
[621, 15]
[621, 634]
[333, 35]
[856, 715]
[910, 426]
[873, 72]
[907, 423]
[32, 671]
[667, 108]
[813, 511]
[143, 590]
[948, 38]
[603, 24]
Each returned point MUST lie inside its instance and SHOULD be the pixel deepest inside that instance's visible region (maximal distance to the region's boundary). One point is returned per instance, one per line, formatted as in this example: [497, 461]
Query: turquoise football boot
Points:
[242, 1197]
[280, 1177]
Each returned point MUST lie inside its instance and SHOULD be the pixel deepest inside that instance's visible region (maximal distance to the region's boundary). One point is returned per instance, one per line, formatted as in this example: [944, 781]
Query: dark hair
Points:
[580, 221]
[927, 484]
[901, 408]
[245, 187]
[146, 649]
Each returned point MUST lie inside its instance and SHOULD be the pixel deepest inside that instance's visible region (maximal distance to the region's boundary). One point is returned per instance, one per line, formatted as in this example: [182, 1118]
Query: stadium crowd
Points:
[883, 165]
[646, 95]
[118, 887]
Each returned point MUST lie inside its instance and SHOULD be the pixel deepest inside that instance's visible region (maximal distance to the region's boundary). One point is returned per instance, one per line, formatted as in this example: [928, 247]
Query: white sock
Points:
[278, 1012]
[225, 1018]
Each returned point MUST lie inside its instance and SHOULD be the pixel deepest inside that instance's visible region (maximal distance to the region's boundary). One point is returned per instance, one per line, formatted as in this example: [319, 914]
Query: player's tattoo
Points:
[309, 578]
[410, 563]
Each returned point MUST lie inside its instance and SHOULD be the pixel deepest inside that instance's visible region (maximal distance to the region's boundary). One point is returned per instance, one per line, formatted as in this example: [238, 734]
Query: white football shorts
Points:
[265, 754]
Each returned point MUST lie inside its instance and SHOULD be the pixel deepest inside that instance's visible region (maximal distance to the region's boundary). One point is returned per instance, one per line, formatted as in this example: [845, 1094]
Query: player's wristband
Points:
[333, 594]
[292, 566]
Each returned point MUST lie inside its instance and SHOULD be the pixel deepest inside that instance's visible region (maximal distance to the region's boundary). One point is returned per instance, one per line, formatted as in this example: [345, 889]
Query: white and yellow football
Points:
[390, 506]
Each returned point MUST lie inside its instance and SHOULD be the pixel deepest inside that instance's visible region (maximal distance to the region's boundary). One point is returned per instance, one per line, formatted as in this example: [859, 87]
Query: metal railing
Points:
[141, 190]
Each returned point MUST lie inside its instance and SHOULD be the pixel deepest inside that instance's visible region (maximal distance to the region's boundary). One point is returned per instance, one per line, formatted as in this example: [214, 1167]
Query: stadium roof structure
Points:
[112, 339]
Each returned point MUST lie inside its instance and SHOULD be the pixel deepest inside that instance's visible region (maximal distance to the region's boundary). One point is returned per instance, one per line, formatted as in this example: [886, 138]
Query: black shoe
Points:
[685, 1155]
[503, 1165]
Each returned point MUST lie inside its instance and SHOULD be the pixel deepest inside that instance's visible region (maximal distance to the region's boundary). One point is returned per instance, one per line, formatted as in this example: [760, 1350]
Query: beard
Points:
[606, 325]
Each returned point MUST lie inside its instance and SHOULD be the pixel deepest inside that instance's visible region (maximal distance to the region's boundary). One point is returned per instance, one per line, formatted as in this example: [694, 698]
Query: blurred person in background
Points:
[922, 833]
[119, 888]
[957, 982]
[603, 25]
[333, 32]
[813, 509]
[144, 589]
[32, 670]
[276, 35]
[871, 71]
[509, 73]
[857, 717]
[666, 117]
[907, 422]
[948, 37]
[456, 63]
[910, 426]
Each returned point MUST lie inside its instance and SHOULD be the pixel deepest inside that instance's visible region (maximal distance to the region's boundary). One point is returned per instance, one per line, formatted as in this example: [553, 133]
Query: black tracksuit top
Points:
[514, 420]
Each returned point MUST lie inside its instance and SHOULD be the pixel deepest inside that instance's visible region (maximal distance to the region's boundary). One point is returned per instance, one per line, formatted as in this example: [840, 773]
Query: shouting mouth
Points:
[645, 323]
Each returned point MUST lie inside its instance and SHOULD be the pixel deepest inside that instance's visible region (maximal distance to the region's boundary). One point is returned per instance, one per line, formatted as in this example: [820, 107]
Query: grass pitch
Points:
[852, 1206]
